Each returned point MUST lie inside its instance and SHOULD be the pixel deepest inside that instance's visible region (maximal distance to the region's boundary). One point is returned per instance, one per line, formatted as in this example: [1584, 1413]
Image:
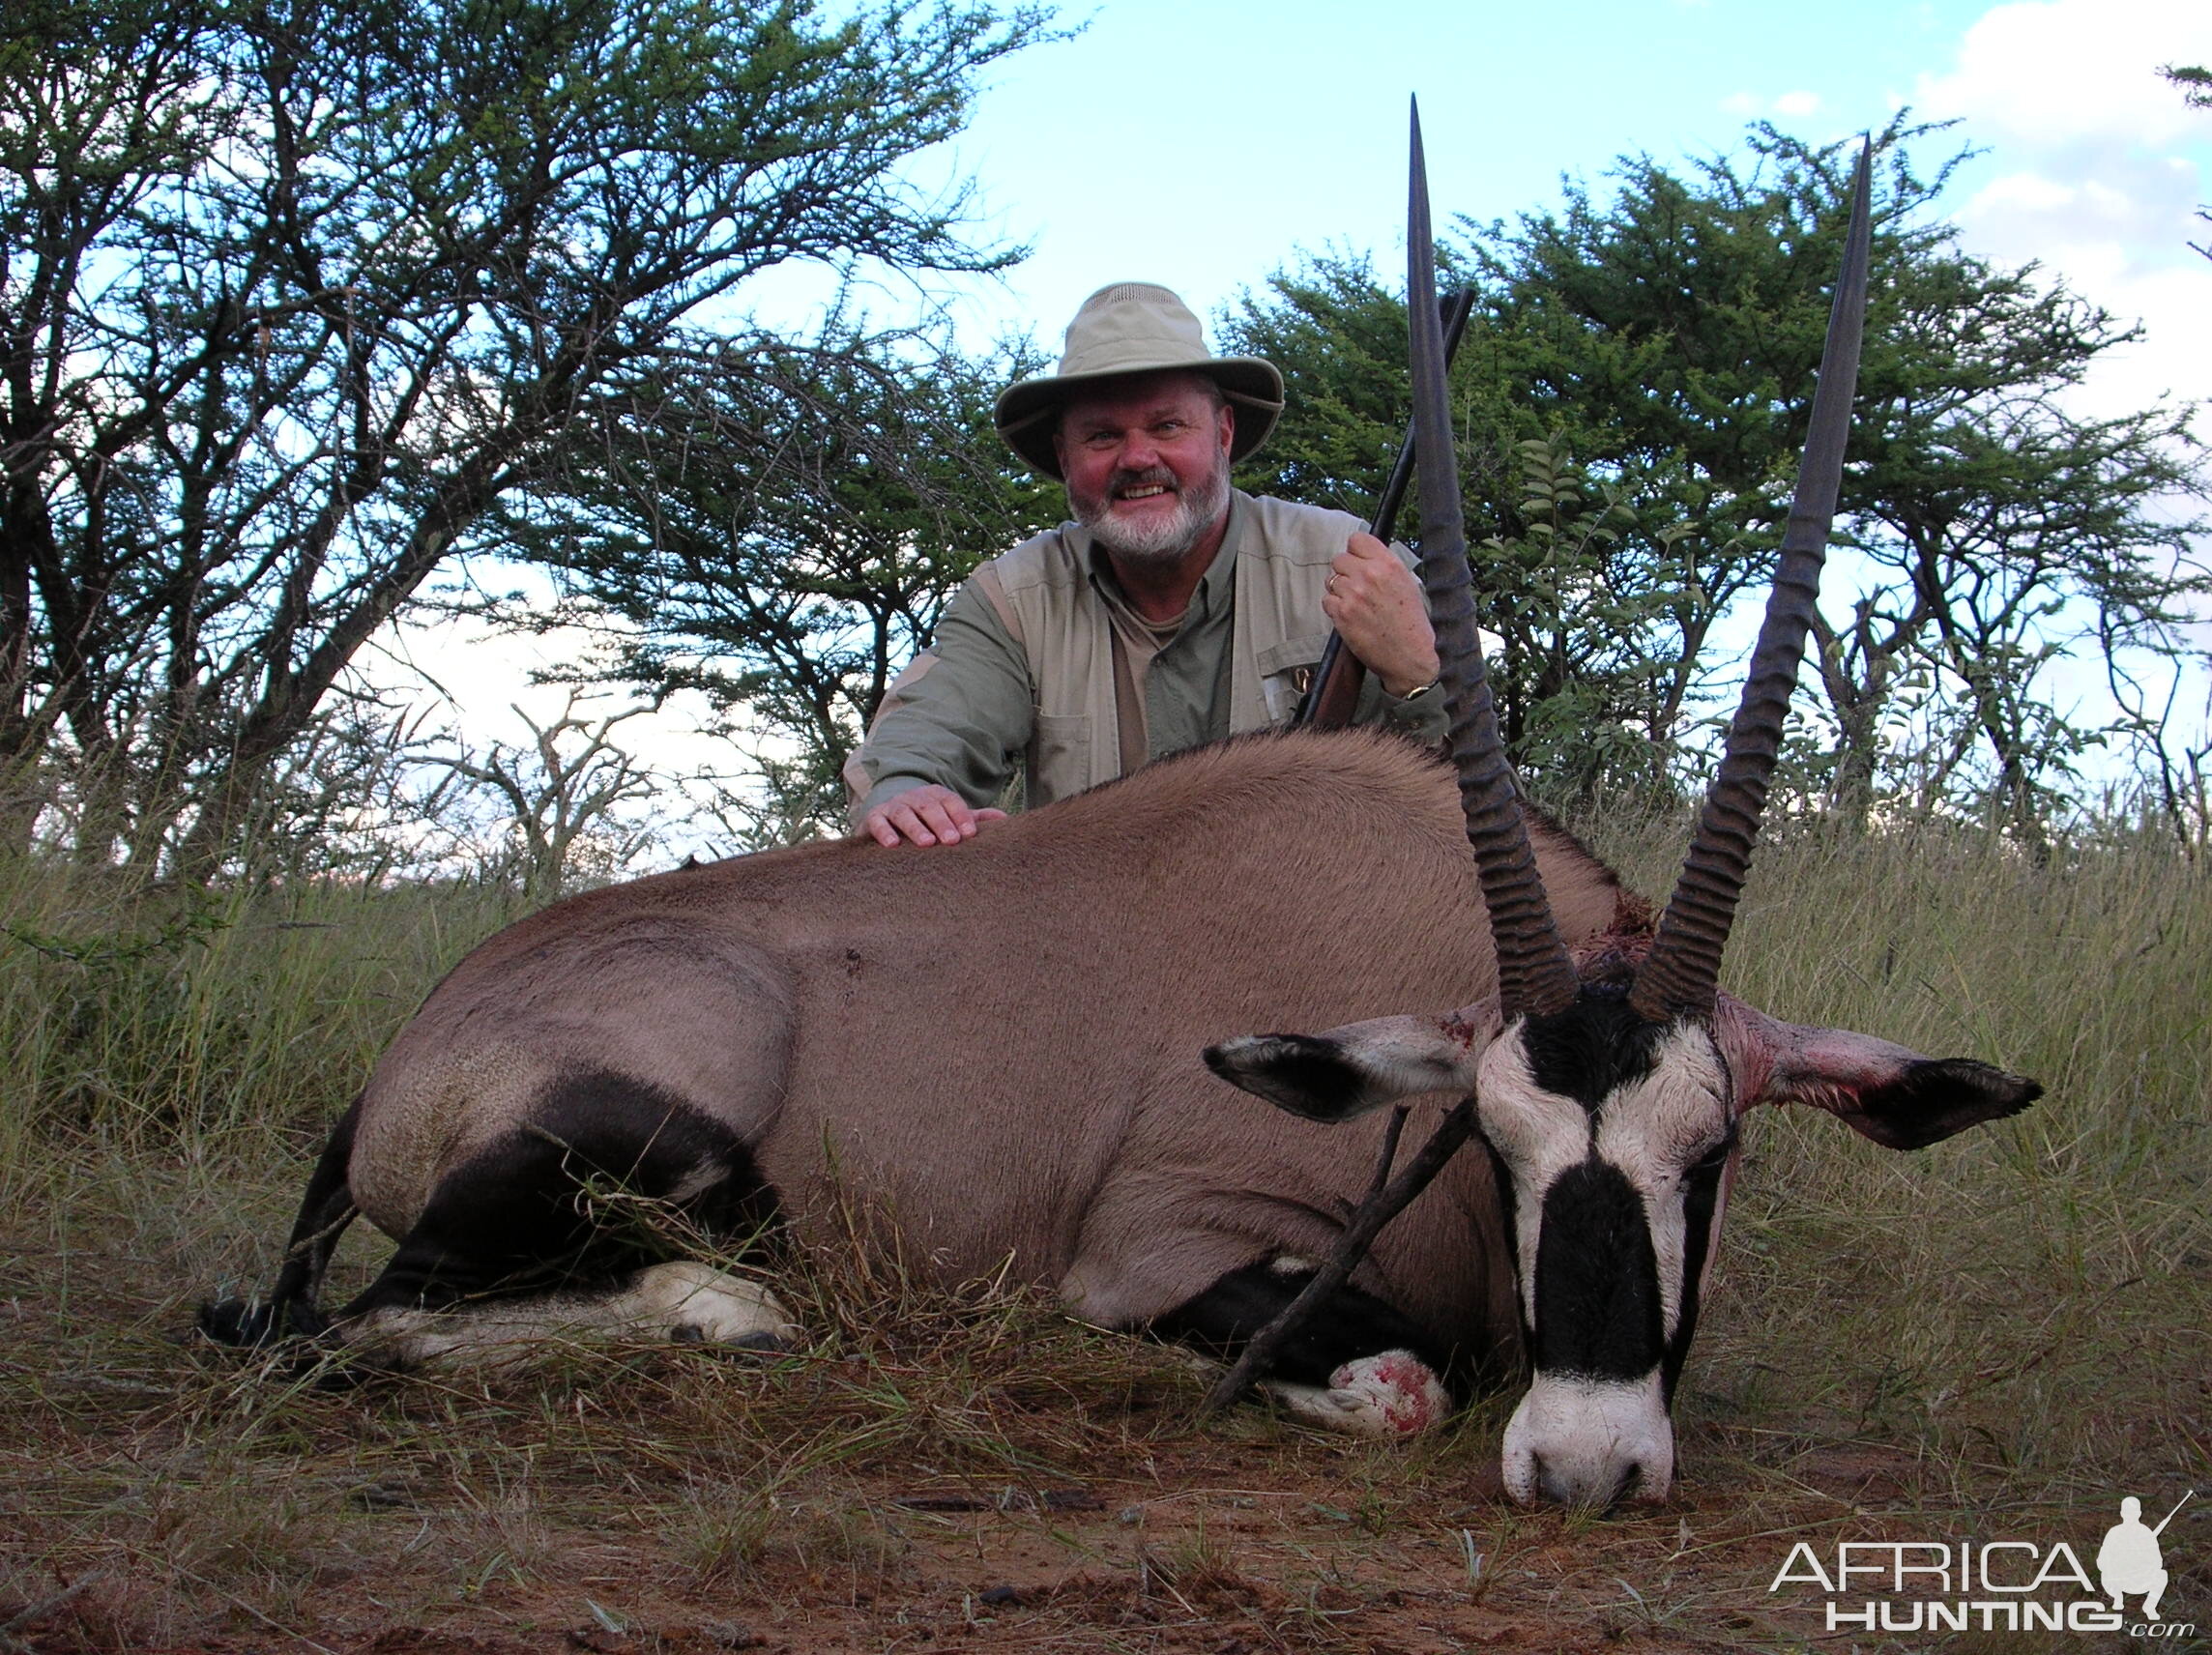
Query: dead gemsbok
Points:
[998, 1045]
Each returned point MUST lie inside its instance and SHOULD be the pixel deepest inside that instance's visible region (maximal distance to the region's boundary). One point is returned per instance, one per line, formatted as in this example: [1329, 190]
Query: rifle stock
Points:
[1334, 692]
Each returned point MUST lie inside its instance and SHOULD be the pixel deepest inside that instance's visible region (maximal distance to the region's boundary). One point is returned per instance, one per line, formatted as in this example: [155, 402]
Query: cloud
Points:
[2094, 170]
[2057, 73]
[2139, 211]
[2172, 360]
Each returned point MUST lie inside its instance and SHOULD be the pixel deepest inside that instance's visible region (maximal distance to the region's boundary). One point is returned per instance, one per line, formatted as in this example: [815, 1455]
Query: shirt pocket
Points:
[1060, 757]
[1287, 672]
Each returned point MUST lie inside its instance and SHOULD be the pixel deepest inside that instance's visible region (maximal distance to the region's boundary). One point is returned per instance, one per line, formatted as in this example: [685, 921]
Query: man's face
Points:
[1147, 463]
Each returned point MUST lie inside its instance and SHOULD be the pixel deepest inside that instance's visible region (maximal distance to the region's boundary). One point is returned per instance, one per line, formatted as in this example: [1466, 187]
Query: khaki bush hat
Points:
[1135, 327]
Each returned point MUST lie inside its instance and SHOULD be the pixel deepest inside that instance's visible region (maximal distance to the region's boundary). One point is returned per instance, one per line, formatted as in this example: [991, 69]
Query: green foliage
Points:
[298, 293]
[1339, 337]
[1586, 690]
[1663, 339]
[780, 528]
[143, 1018]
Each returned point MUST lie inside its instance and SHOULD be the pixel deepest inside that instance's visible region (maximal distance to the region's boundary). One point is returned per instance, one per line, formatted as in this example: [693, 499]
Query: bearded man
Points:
[1174, 610]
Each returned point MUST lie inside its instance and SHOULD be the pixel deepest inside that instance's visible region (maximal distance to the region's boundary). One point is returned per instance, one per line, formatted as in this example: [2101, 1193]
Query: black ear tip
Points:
[1248, 1055]
[1940, 1098]
[1305, 1074]
[2000, 1093]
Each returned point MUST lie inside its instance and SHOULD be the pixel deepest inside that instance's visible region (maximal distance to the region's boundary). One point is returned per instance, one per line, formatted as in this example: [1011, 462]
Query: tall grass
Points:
[143, 1019]
[2032, 1299]
[175, 1057]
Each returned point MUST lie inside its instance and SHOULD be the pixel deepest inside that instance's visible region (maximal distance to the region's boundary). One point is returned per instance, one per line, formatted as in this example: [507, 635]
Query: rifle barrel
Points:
[2169, 1515]
[1330, 697]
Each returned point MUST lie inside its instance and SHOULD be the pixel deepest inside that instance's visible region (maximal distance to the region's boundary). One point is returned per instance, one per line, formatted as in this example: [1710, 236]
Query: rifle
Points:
[1335, 687]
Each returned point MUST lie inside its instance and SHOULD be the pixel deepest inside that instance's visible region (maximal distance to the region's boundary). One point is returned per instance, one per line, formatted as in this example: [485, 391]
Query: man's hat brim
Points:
[1028, 413]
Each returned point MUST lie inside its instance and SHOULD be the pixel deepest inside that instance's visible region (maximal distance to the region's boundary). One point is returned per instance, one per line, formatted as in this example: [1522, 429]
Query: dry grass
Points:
[1996, 1336]
[2033, 1299]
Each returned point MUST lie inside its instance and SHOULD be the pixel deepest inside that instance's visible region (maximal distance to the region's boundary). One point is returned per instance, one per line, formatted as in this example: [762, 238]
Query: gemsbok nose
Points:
[1590, 1442]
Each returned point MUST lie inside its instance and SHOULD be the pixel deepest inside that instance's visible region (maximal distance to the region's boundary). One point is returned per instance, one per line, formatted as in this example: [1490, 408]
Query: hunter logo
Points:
[2129, 1561]
[1993, 1586]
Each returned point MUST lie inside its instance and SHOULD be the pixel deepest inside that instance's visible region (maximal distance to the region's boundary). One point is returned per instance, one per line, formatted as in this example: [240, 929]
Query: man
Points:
[1174, 610]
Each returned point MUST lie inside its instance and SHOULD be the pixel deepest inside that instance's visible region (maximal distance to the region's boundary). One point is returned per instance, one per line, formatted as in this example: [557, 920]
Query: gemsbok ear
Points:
[1343, 1073]
[1889, 1093]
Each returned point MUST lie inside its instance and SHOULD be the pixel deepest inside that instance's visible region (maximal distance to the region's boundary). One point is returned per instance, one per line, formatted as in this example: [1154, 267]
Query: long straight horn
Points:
[1535, 974]
[1683, 971]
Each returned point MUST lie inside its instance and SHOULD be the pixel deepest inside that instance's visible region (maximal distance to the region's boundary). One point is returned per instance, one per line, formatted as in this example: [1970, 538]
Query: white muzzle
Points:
[1590, 1442]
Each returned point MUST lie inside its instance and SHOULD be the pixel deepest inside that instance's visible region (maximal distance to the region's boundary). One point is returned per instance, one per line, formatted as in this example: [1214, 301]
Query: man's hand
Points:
[1376, 603]
[925, 816]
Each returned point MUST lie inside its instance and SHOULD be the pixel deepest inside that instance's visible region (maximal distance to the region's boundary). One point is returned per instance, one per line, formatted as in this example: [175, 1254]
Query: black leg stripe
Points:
[521, 1216]
[1222, 1320]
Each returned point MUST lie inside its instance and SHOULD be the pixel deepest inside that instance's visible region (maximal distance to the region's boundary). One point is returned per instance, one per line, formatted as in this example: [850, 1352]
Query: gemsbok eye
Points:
[1715, 1157]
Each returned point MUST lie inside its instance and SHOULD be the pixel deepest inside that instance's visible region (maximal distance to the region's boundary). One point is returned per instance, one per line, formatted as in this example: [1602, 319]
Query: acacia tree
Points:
[292, 294]
[564, 795]
[1600, 579]
[1666, 337]
[782, 535]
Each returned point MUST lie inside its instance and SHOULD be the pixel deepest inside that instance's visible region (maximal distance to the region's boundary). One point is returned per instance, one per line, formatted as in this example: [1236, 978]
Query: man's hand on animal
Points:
[926, 816]
[1376, 603]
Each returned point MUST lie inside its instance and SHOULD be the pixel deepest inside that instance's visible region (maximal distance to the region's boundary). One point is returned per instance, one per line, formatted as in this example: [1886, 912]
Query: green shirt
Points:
[964, 720]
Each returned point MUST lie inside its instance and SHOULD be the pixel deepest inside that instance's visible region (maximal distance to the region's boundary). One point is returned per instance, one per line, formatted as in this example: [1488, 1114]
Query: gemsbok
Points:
[998, 1044]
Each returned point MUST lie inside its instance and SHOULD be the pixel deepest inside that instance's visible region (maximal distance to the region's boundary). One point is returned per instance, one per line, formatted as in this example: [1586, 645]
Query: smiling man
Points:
[1173, 611]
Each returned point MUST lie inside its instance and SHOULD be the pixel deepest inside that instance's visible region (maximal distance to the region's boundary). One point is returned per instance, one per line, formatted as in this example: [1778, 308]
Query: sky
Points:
[1185, 143]
[1205, 145]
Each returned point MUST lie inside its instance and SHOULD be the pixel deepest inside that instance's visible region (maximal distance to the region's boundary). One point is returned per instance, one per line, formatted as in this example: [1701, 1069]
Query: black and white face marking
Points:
[1612, 1134]
[1611, 1142]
